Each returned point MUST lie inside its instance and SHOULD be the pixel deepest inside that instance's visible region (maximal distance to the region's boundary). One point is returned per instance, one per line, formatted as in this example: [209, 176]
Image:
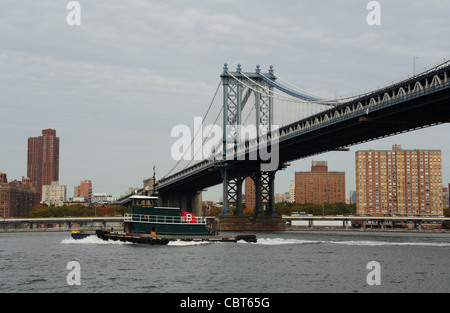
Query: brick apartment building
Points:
[400, 182]
[319, 186]
[250, 193]
[446, 196]
[83, 190]
[43, 159]
[17, 198]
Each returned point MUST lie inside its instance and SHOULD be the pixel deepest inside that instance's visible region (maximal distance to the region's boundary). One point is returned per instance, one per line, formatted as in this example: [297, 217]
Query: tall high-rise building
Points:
[319, 186]
[43, 159]
[397, 181]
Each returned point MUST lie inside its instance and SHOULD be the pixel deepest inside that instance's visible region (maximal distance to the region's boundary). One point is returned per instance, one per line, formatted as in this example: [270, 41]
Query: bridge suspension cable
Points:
[276, 95]
[195, 135]
[207, 136]
[295, 87]
[289, 108]
[289, 91]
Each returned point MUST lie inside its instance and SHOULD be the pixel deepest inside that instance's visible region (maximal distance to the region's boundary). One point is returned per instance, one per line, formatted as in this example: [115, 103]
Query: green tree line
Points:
[77, 210]
[339, 208]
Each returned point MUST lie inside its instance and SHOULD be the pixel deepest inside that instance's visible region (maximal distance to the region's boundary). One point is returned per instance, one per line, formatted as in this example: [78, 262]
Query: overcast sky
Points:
[114, 86]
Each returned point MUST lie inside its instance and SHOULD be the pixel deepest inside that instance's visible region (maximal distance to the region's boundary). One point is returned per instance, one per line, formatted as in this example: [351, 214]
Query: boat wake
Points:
[268, 242]
[281, 241]
[93, 240]
[387, 243]
[98, 241]
[367, 243]
[179, 243]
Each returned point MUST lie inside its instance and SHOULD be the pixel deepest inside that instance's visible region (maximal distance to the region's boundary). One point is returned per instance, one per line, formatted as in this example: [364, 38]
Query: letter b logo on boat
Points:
[188, 217]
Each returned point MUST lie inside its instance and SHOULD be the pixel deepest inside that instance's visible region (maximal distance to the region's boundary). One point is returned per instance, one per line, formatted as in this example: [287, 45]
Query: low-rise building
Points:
[54, 194]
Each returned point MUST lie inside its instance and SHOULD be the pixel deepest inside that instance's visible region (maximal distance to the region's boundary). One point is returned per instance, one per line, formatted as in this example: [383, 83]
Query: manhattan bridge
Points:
[267, 122]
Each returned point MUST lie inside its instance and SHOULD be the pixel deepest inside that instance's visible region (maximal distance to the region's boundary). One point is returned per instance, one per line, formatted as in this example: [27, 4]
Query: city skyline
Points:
[113, 88]
[279, 190]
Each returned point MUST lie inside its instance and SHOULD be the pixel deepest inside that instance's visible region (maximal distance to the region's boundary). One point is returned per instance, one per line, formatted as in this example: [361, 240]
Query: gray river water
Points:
[280, 262]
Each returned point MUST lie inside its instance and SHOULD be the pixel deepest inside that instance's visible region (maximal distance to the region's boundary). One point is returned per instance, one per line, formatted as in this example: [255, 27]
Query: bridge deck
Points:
[412, 104]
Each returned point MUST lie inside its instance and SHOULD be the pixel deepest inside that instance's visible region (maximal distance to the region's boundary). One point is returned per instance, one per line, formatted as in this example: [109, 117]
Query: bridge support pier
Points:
[232, 191]
[187, 201]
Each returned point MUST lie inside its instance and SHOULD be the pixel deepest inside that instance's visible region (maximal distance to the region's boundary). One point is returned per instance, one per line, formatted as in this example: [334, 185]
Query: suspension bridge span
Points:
[291, 124]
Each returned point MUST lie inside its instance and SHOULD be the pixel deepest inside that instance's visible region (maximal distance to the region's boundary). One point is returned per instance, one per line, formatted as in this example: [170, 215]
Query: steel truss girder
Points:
[264, 109]
[237, 88]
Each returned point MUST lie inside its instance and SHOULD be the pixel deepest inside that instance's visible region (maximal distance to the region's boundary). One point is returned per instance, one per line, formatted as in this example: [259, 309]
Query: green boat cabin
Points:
[148, 218]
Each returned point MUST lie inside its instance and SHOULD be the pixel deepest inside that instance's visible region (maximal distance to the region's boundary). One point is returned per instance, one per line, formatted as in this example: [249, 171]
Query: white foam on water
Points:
[98, 241]
[180, 243]
[367, 243]
[389, 243]
[269, 242]
[92, 240]
[281, 241]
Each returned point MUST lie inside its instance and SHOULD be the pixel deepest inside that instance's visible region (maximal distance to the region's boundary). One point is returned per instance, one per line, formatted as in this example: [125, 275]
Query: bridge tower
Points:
[238, 88]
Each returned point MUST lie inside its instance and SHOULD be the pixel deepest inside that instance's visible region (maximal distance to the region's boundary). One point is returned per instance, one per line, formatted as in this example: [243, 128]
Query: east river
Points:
[280, 262]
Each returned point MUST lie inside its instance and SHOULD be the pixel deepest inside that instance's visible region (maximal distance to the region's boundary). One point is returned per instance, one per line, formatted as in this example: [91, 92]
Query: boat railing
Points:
[162, 219]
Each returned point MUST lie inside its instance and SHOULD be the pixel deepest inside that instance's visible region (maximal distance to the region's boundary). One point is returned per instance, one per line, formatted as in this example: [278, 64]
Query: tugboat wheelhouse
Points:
[148, 218]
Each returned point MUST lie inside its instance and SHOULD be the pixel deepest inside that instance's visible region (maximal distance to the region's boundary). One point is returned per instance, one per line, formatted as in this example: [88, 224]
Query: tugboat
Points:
[150, 224]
